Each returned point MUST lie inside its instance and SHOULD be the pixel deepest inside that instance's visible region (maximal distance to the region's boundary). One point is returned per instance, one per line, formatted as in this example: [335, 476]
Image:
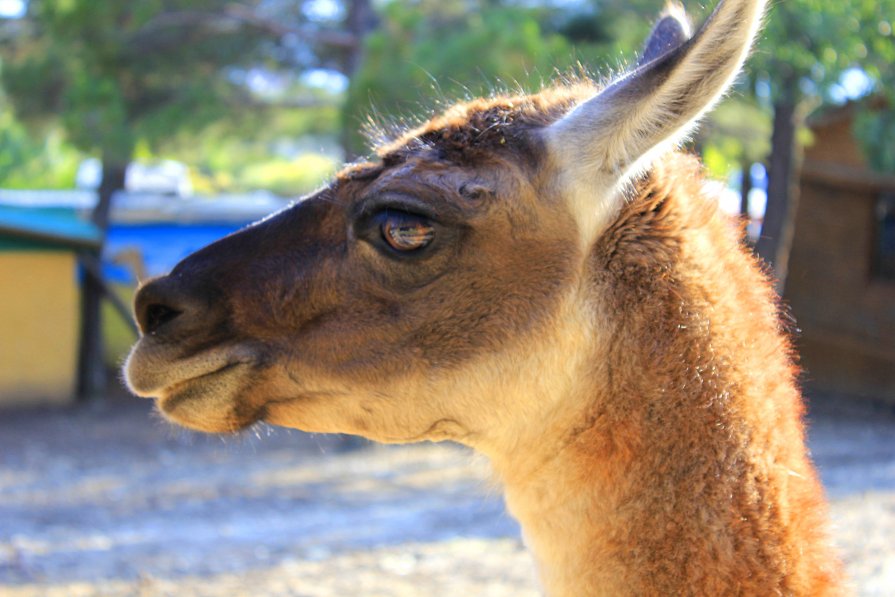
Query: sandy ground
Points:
[110, 501]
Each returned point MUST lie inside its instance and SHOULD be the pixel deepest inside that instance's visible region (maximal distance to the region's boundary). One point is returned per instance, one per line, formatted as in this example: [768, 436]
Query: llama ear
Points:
[658, 103]
[671, 32]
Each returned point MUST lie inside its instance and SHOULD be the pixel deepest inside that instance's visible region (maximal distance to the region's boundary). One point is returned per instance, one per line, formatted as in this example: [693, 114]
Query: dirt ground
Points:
[109, 500]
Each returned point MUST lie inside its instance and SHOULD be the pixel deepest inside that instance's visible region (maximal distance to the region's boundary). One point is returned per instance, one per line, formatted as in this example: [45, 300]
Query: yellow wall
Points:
[38, 326]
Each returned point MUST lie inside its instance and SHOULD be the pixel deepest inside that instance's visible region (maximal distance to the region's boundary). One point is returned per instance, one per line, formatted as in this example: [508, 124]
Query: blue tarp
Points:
[160, 245]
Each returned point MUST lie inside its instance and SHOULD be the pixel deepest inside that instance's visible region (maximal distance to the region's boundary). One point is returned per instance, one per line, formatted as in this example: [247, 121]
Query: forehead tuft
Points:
[468, 130]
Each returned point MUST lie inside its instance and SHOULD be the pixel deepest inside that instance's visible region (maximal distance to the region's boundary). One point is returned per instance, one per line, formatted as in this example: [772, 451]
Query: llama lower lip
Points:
[209, 402]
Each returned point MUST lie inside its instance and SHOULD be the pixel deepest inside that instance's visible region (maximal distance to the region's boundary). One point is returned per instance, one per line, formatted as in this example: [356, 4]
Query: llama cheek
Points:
[361, 425]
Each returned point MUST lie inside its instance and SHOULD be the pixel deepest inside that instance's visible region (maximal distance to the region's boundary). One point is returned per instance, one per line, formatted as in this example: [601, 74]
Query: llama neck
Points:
[673, 467]
[616, 513]
[572, 514]
[675, 462]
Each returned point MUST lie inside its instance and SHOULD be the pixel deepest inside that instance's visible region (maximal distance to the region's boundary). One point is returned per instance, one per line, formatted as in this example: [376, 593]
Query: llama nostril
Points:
[166, 306]
[157, 303]
[157, 315]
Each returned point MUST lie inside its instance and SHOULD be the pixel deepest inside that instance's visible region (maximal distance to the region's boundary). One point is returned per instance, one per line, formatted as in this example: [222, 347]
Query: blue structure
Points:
[160, 244]
[22, 227]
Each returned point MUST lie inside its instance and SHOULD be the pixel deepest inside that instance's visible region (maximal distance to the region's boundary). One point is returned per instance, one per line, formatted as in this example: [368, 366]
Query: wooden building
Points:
[39, 302]
[841, 282]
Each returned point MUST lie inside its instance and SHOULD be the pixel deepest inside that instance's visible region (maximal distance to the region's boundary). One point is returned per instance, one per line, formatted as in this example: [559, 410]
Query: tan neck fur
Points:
[675, 464]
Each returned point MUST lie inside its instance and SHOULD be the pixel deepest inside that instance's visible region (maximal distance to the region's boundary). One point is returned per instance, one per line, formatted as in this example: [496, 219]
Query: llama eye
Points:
[405, 232]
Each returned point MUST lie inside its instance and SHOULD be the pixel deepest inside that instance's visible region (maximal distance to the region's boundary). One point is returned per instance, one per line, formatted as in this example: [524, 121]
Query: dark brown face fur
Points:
[315, 293]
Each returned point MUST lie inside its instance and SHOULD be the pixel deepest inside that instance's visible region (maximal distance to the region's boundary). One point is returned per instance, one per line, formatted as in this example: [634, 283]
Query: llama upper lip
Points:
[150, 370]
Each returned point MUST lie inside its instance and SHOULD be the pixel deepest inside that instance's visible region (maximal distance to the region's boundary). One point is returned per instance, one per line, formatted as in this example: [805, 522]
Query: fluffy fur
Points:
[687, 458]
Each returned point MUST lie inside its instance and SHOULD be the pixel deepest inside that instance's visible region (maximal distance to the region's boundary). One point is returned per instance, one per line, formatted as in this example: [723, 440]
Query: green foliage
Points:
[808, 45]
[876, 129]
[620, 27]
[117, 72]
[166, 76]
[170, 75]
[27, 162]
[817, 40]
[738, 131]
[291, 178]
[224, 159]
[426, 53]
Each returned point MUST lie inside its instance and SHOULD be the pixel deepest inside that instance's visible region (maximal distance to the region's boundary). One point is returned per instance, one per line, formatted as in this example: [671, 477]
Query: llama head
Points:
[439, 291]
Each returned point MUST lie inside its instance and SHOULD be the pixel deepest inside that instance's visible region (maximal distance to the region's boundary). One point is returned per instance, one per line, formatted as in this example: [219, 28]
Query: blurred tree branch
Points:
[233, 16]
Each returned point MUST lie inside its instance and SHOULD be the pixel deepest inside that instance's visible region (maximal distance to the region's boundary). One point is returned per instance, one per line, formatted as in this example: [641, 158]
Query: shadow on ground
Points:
[110, 500]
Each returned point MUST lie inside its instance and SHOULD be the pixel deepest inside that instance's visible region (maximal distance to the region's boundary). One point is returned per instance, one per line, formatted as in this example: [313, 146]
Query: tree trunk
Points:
[91, 383]
[360, 20]
[745, 188]
[777, 229]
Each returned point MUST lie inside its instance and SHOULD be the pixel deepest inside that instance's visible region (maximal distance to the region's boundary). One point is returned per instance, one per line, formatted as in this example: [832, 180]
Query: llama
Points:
[544, 279]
